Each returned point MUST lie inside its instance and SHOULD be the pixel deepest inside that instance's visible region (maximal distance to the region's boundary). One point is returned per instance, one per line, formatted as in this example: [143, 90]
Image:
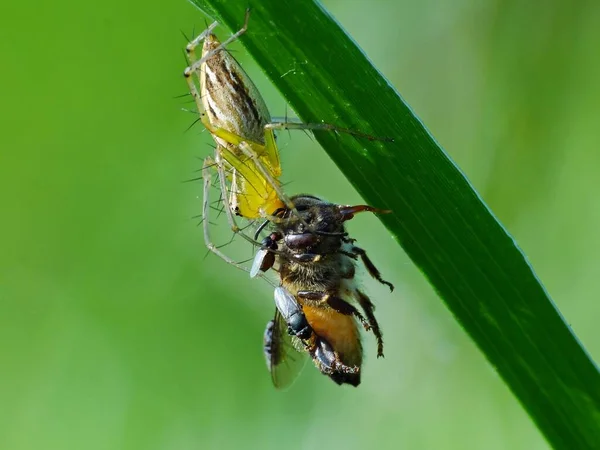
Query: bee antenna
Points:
[348, 212]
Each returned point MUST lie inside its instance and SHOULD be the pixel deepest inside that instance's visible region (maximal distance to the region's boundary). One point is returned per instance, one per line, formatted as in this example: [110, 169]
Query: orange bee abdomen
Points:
[340, 330]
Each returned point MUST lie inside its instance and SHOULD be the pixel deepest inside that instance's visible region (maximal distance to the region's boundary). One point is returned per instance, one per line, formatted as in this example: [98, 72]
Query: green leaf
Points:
[439, 219]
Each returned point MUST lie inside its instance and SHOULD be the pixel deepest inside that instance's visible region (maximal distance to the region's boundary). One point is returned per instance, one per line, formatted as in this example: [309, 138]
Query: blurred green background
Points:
[117, 333]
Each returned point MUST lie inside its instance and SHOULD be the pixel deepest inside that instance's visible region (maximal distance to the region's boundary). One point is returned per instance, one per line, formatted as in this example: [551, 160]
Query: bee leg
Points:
[328, 362]
[349, 255]
[336, 303]
[373, 271]
[365, 302]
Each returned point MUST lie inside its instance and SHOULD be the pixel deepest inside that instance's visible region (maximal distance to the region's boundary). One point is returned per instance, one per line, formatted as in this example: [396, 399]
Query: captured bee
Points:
[318, 292]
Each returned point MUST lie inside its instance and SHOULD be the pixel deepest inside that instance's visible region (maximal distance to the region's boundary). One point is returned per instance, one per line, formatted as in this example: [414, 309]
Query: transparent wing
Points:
[285, 357]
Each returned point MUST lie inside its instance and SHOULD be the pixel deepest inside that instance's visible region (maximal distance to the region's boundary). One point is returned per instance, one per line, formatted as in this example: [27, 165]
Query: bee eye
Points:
[301, 241]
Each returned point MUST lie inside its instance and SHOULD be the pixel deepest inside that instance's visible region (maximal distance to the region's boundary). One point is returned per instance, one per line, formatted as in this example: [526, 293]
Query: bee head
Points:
[318, 228]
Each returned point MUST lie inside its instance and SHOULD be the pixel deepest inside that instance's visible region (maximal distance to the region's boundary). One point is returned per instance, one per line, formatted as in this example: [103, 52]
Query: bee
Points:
[318, 292]
[308, 246]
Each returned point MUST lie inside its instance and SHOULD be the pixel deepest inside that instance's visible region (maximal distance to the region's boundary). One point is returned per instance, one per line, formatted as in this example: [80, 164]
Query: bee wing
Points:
[284, 353]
